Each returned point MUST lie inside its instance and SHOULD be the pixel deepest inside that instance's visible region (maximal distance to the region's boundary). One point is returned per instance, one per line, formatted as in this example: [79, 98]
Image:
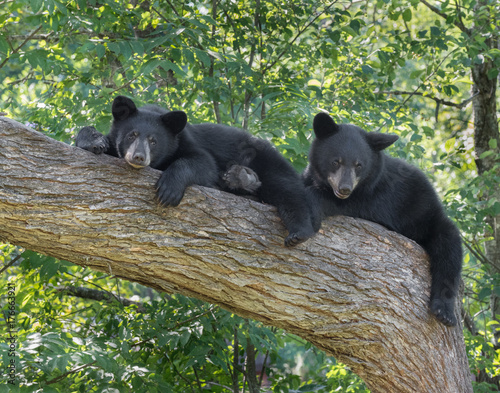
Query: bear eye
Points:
[335, 164]
[132, 136]
[359, 165]
[152, 141]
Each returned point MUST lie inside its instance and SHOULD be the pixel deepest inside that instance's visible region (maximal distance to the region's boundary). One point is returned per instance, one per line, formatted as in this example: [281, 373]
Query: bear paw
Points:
[92, 140]
[444, 310]
[298, 237]
[169, 193]
[242, 178]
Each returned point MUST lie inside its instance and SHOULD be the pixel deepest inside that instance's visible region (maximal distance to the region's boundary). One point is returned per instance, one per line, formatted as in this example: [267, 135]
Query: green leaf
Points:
[355, 25]
[49, 269]
[493, 73]
[217, 55]
[449, 144]
[125, 50]
[486, 154]
[484, 293]
[4, 45]
[114, 47]
[367, 69]
[349, 30]
[314, 82]
[428, 131]
[407, 15]
[150, 66]
[185, 336]
[168, 65]
[435, 31]
[422, 33]
[416, 74]
[416, 138]
[334, 35]
[137, 47]
[493, 143]
[100, 51]
[36, 5]
[203, 57]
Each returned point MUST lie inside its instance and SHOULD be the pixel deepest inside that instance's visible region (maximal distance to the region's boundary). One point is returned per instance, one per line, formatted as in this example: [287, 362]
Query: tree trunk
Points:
[356, 290]
[486, 130]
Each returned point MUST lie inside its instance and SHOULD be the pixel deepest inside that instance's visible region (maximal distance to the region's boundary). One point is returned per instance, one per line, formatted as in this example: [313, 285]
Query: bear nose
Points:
[138, 158]
[345, 190]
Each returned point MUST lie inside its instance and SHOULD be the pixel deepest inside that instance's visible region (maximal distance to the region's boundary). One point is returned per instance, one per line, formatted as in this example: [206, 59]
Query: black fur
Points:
[390, 192]
[202, 154]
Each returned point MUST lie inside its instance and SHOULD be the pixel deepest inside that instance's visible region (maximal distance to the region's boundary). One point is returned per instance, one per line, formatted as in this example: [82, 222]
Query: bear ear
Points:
[123, 108]
[324, 126]
[175, 121]
[378, 141]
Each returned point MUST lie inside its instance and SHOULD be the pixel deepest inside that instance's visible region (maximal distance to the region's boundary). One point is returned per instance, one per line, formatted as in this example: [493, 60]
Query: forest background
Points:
[425, 70]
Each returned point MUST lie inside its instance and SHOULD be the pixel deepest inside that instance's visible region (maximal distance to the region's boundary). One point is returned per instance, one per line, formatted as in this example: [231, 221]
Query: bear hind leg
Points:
[445, 252]
[241, 179]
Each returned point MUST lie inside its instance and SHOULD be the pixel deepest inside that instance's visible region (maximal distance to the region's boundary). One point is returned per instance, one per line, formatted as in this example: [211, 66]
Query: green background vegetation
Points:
[267, 66]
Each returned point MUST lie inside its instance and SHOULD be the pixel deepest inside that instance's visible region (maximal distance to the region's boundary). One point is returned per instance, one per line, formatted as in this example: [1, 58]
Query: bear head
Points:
[145, 136]
[344, 156]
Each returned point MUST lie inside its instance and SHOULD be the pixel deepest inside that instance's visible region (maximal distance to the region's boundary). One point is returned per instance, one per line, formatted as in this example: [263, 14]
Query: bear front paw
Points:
[90, 139]
[298, 237]
[444, 310]
[168, 192]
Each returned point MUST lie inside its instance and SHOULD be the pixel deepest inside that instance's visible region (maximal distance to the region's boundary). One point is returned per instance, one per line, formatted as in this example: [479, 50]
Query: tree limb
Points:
[460, 105]
[95, 294]
[356, 290]
[299, 33]
[14, 51]
[458, 23]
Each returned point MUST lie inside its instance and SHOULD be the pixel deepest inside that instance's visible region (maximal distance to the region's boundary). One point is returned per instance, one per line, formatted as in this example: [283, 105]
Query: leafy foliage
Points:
[401, 66]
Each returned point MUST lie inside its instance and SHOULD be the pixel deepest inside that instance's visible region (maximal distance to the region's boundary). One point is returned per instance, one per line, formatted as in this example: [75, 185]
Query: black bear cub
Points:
[348, 174]
[207, 154]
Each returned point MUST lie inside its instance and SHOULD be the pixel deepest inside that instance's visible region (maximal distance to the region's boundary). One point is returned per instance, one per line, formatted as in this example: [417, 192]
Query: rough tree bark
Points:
[356, 290]
[486, 129]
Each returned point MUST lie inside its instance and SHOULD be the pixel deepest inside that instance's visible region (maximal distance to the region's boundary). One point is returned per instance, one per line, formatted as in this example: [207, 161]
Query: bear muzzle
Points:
[343, 182]
[138, 154]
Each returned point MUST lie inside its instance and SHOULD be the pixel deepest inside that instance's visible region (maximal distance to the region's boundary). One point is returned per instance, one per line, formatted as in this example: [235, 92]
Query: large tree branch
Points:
[355, 290]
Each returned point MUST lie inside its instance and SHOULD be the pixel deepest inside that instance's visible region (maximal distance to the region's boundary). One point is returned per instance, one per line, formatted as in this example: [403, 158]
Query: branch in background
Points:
[75, 370]
[437, 11]
[469, 322]
[94, 294]
[476, 252]
[9, 264]
[21, 45]
[299, 33]
[251, 370]
[173, 9]
[439, 101]
[212, 61]
[236, 366]
[195, 43]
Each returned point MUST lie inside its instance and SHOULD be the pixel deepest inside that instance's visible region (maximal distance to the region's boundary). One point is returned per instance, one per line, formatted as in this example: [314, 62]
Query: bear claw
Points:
[444, 312]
